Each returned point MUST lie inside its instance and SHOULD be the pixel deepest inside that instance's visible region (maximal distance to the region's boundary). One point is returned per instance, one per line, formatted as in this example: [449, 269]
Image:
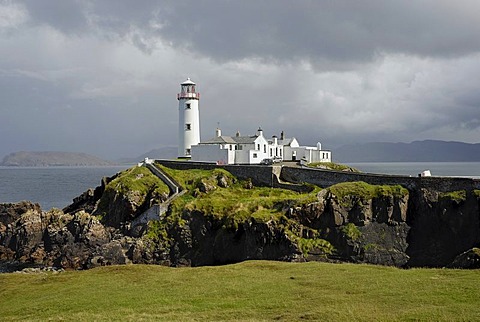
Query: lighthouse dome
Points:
[188, 82]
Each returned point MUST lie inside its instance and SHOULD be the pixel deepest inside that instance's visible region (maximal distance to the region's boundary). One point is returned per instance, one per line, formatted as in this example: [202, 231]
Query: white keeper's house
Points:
[236, 149]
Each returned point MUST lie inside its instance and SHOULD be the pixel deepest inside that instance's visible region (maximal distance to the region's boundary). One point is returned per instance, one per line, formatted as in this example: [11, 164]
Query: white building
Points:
[253, 149]
[234, 149]
[188, 118]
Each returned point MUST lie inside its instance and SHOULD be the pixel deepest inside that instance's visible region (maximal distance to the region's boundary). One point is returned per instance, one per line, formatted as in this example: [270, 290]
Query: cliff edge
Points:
[222, 219]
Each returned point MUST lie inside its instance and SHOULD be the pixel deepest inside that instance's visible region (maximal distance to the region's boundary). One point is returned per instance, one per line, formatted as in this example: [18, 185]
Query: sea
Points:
[55, 187]
[51, 187]
[440, 169]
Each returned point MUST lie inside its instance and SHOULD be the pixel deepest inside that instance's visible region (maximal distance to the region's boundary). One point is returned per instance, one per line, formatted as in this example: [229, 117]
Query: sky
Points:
[101, 76]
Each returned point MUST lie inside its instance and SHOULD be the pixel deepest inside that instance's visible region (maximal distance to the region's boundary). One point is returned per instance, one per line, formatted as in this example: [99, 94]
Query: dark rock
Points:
[205, 186]
[441, 229]
[53, 238]
[9, 212]
[469, 259]
[222, 181]
[206, 241]
[422, 228]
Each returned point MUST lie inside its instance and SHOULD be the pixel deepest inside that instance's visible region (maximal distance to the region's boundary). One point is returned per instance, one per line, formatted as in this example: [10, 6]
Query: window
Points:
[230, 148]
[258, 147]
[187, 106]
[187, 152]
[188, 126]
[255, 155]
[264, 148]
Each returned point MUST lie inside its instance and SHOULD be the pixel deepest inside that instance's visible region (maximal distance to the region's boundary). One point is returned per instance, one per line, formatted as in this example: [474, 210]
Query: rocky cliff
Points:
[221, 219]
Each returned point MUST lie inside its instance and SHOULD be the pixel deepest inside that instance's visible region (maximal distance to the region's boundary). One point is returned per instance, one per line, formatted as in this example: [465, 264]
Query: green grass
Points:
[136, 180]
[234, 203]
[476, 193]
[363, 190]
[457, 196]
[332, 166]
[249, 291]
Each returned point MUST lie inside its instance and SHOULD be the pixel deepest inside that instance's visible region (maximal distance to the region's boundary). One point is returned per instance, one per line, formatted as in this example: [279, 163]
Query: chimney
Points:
[275, 140]
[259, 132]
[218, 133]
[282, 136]
[237, 134]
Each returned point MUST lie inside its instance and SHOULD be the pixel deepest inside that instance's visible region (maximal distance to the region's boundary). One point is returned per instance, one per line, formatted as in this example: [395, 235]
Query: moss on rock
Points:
[362, 190]
[332, 166]
[131, 191]
[457, 196]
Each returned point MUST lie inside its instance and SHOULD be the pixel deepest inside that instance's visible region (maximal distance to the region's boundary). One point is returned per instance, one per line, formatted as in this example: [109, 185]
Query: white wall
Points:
[211, 153]
[312, 154]
[243, 156]
[187, 138]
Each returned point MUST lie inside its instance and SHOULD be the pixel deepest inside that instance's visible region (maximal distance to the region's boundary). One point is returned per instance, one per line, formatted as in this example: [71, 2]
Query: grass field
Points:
[257, 290]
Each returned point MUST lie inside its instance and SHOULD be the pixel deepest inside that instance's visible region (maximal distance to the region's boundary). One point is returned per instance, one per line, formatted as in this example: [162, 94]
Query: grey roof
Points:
[231, 140]
[220, 140]
[245, 139]
[286, 141]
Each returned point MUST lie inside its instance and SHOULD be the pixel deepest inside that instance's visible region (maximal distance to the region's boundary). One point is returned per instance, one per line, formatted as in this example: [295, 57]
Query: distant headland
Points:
[417, 151]
[50, 158]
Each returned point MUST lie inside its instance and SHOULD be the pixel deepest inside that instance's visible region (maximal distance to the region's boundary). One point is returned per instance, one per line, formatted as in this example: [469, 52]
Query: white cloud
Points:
[319, 71]
[12, 15]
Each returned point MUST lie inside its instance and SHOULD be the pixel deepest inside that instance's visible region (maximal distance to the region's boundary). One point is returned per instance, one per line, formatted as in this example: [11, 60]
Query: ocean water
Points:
[441, 169]
[51, 187]
[57, 186]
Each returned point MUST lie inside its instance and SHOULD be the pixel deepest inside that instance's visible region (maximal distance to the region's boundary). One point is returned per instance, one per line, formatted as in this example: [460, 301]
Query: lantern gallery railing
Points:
[188, 95]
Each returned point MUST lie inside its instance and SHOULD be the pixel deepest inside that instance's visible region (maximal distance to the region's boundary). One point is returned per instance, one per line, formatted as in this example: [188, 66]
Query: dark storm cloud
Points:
[66, 15]
[101, 76]
[316, 31]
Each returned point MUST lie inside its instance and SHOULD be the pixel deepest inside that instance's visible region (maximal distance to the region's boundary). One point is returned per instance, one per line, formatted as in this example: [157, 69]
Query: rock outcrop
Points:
[362, 228]
[355, 222]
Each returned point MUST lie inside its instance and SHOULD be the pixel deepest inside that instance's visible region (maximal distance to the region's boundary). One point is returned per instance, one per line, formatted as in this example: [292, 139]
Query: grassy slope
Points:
[332, 166]
[235, 202]
[139, 180]
[257, 290]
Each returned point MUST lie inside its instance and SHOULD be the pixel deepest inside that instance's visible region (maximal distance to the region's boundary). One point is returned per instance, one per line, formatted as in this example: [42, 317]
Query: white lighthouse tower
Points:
[188, 118]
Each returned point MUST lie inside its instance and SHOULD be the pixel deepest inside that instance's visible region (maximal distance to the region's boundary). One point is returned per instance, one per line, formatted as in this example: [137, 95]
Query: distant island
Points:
[49, 158]
[417, 151]
[167, 152]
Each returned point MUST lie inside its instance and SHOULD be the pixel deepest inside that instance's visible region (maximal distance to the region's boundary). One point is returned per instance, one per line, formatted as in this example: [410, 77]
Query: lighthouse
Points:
[188, 118]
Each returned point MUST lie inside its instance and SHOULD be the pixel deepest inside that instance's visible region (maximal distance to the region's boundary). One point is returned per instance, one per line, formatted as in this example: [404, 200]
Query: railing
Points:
[188, 95]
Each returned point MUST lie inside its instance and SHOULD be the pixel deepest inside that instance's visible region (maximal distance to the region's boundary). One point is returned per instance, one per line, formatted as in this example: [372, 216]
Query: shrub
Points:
[351, 231]
[306, 245]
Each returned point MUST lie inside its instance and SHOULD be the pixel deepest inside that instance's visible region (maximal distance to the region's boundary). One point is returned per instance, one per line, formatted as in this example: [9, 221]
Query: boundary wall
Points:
[293, 177]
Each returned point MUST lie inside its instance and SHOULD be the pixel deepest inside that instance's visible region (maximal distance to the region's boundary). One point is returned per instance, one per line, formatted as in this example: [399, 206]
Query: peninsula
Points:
[194, 214]
[48, 159]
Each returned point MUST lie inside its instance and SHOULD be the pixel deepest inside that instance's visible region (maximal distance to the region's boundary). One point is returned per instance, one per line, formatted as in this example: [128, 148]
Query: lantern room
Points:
[188, 90]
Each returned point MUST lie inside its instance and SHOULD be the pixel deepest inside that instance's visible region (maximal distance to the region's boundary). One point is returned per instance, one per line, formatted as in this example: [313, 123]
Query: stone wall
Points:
[264, 175]
[326, 178]
[259, 174]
